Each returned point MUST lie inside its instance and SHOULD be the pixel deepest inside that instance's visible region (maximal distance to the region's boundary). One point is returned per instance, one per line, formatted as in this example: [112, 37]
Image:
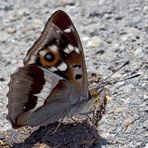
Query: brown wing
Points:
[29, 90]
[59, 50]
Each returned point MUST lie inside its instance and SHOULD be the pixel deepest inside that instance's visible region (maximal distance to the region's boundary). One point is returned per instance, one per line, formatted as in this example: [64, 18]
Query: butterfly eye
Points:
[49, 57]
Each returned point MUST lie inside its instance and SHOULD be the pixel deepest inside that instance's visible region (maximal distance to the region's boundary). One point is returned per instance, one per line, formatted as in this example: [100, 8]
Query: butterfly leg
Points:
[55, 130]
[92, 118]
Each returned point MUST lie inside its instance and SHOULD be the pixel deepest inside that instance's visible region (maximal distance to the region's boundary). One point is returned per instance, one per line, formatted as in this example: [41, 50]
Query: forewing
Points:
[59, 50]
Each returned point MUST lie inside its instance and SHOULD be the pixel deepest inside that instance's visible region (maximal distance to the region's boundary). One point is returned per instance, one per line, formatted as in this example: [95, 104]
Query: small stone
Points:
[109, 98]
[100, 2]
[4, 36]
[122, 47]
[11, 30]
[121, 83]
[23, 12]
[145, 97]
[107, 16]
[138, 51]
[115, 45]
[67, 2]
[94, 42]
[145, 9]
[37, 23]
[118, 110]
[127, 123]
[124, 37]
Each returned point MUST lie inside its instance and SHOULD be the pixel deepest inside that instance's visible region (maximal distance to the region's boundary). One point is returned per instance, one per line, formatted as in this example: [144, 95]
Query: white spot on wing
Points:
[53, 48]
[53, 68]
[62, 66]
[68, 30]
[70, 47]
[57, 31]
[43, 53]
[77, 50]
[67, 50]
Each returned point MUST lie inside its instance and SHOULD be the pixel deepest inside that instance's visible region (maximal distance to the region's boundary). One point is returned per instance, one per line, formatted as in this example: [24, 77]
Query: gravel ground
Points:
[112, 32]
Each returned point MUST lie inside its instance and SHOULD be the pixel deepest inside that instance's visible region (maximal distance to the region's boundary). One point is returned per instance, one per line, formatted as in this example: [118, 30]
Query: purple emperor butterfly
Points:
[52, 84]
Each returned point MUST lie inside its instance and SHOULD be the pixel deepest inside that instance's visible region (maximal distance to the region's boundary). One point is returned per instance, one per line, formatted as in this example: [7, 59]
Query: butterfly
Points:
[52, 84]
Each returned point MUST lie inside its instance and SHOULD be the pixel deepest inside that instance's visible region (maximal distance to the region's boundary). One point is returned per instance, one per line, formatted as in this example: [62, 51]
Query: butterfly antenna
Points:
[114, 81]
[111, 82]
[123, 79]
[126, 63]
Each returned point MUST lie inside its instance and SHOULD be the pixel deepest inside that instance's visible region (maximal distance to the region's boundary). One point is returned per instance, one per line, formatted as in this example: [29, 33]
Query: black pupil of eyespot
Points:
[49, 57]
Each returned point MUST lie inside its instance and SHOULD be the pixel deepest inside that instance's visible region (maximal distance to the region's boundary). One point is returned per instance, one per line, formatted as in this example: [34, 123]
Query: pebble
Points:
[23, 12]
[124, 37]
[94, 42]
[138, 51]
[38, 23]
[4, 36]
[11, 30]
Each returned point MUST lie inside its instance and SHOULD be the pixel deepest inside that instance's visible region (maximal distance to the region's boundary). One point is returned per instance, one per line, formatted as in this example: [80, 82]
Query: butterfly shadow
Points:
[71, 135]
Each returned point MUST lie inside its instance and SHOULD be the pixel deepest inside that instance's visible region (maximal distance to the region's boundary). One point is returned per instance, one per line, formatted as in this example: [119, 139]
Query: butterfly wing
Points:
[59, 49]
[29, 89]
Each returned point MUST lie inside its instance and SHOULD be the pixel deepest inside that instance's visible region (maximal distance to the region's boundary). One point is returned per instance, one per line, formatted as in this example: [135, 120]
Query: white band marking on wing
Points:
[62, 66]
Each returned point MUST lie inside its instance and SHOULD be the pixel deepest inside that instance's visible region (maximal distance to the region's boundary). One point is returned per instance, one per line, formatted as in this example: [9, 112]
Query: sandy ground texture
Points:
[112, 32]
